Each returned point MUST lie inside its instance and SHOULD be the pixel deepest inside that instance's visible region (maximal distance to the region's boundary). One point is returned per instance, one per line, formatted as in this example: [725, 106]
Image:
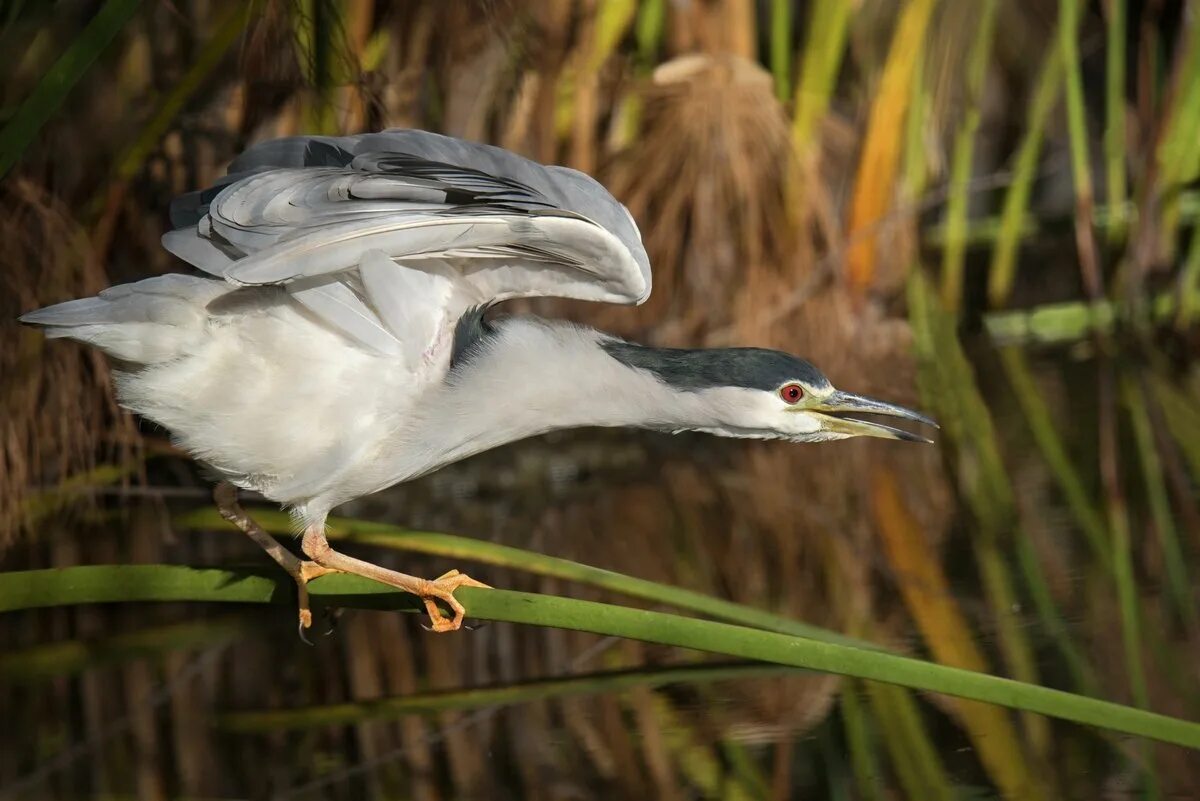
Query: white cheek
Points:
[734, 411]
[802, 423]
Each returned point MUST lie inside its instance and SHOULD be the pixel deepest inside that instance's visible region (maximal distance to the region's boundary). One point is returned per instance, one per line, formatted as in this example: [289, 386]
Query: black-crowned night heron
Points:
[338, 344]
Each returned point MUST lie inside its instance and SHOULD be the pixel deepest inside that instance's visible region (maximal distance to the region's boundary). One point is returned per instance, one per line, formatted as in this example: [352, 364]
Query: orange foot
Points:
[442, 588]
[305, 572]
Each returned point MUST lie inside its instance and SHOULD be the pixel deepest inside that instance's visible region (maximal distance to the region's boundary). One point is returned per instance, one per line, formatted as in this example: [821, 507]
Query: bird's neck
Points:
[530, 377]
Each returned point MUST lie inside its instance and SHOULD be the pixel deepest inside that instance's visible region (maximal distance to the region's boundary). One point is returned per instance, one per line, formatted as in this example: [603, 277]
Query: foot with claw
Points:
[317, 548]
[306, 572]
[300, 570]
[442, 589]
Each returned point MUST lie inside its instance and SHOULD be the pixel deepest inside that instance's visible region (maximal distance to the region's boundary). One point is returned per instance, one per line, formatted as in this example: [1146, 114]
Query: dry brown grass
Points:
[57, 417]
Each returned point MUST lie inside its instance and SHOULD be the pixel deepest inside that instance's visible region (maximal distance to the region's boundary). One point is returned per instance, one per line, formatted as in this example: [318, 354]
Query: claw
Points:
[442, 589]
[332, 615]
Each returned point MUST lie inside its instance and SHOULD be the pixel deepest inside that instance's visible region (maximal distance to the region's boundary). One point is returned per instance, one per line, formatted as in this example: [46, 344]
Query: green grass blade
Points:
[490, 553]
[1128, 600]
[1081, 163]
[1178, 583]
[824, 49]
[915, 159]
[949, 386]
[457, 700]
[1004, 257]
[1179, 145]
[913, 757]
[125, 583]
[860, 743]
[781, 48]
[1183, 420]
[648, 32]
[1083, 678]
[1114, 109]
[56, 84]
[1189, 286]
[954, 256]
[1045, 435]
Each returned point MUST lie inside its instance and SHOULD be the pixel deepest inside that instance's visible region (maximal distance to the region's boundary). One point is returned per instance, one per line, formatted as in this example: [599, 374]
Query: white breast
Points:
[277, 402]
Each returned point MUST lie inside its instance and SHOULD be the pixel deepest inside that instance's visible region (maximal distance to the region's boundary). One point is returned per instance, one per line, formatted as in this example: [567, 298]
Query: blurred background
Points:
[977, 208]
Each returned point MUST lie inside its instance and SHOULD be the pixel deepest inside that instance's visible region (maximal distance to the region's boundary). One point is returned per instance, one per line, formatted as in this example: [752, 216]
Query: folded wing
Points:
[389, 237]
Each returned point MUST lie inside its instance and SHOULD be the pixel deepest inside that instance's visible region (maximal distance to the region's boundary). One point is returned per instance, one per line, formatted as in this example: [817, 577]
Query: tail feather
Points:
[144, 322]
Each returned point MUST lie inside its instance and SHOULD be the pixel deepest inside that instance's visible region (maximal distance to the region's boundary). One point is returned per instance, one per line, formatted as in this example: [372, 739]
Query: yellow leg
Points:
[317, 548]
[301, 571]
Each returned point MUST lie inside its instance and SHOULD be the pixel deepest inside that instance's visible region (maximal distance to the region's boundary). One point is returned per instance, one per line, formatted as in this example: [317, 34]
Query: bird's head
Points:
[765, 394]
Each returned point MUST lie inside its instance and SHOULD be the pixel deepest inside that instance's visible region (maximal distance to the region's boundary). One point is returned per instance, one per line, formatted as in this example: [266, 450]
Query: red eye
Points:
[792, 393]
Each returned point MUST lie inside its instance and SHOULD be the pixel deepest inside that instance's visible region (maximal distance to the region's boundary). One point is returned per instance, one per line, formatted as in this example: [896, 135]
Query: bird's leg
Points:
[317, 548]
[301, 571]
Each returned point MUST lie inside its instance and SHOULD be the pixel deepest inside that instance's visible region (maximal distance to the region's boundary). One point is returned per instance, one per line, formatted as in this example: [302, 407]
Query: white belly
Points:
[278, 403]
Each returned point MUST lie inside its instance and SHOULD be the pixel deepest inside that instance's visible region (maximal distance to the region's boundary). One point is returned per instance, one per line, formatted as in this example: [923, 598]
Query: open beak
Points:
[835, 409]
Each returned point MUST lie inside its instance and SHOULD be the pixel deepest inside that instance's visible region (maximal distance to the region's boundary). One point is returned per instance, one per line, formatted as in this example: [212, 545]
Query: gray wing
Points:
[390, 236]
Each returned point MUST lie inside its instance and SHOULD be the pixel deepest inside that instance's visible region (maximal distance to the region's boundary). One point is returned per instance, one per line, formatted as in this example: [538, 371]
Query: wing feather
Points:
[388, 237]
[336, 303]
[413, 304]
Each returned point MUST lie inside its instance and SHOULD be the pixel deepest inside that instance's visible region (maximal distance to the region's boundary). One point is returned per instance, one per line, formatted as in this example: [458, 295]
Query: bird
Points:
[335, 337]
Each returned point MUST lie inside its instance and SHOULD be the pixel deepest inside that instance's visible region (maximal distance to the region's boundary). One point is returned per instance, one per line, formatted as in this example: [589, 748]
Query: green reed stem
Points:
[1069, 13]
[1072, 321]
[490, 553]
[824, 48]
[913, 757]
[133, 583]
[948, 384]
[781, 48]
[1178, 583]
[961, 163]
[1179, 147]
[860, 743]
[1045, 436]
[1183, 421]
[1004, 257]
[1114, 109]
[1189, 286]
[1083, 678]
[1128, 602]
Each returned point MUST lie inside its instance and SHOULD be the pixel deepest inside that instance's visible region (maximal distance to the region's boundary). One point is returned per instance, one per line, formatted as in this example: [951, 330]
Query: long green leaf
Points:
[125, 583]
[490, 553]
[57, 83]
